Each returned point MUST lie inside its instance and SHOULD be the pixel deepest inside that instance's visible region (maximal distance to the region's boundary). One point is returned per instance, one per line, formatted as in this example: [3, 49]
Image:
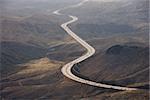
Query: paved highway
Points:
[66, 69]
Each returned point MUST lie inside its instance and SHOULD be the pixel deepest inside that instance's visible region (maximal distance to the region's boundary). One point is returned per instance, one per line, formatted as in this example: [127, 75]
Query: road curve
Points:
[66, 69]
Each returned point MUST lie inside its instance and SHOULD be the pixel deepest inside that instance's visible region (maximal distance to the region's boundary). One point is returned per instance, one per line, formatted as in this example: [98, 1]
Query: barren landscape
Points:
[35, 47]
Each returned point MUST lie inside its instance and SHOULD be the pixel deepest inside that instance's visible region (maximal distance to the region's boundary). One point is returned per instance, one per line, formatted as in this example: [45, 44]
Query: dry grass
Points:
[41, 65]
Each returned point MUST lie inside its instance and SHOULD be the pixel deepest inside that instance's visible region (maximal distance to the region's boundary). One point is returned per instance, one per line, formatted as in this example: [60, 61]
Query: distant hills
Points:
[101, 19]
[33, 30]
[34, 48]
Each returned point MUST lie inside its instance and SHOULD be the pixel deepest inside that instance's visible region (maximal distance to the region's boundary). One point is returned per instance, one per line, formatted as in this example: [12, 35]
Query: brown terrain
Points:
[34, 48]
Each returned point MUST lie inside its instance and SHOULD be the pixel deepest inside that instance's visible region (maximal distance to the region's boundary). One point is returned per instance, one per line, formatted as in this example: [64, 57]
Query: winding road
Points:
[66, 69]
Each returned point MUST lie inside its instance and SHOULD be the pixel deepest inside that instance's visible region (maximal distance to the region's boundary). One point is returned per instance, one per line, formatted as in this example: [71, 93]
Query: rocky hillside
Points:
[119, 62]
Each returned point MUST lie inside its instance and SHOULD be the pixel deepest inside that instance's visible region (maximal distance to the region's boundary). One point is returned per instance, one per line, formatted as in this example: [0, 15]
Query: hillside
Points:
[42, 77]
[34, 48]
[13, 53]
[119, 62]
[98, 18]
[37, 30]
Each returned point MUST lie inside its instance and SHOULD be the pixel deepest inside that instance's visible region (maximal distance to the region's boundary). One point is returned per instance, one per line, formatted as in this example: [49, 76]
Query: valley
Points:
[34, 48]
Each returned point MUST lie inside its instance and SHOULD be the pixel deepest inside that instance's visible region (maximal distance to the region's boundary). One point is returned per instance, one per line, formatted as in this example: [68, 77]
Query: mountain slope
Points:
[118, 62]
[13, 53]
